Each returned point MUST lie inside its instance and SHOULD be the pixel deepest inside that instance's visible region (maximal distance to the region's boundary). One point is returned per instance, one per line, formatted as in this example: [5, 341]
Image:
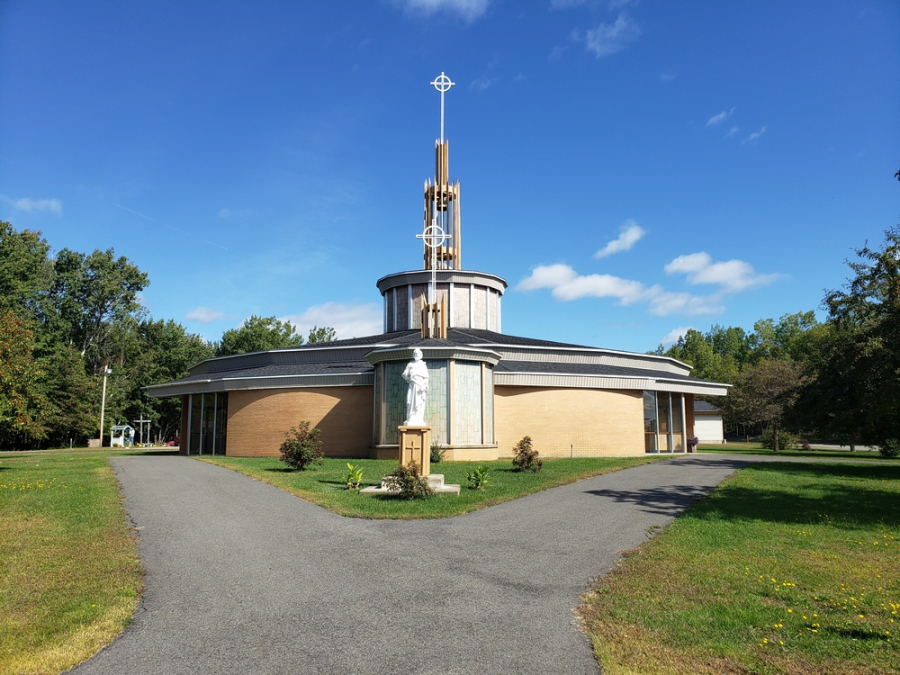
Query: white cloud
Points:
[732, 276]
[732, 131]
[348, 320]
[234, 213]
[547, 276]
[610, 38]
[719, 118]
[204, 315]
[755, 136]
[469, 10]
[601, 286]
[667, 77]
[664, 303]
[567, 284]
[556, 53]
[688, 263]
[483, 82]
[28, 205]
[629, 234]
[675, 335]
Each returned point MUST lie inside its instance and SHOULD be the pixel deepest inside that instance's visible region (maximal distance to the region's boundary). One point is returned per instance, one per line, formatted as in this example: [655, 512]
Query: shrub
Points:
[353, 477]
[437, 453]
[526, 458]
[407, 482]
[890, 448]
[786, 440]
[479, 477]
[301, 447]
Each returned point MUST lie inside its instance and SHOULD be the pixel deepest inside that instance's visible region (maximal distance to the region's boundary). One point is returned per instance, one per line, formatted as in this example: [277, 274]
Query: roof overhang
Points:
[554, 380]
[213, 384]
[442, 352]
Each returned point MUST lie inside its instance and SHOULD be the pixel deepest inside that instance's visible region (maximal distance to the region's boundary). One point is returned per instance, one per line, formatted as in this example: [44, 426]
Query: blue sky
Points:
[630, 168]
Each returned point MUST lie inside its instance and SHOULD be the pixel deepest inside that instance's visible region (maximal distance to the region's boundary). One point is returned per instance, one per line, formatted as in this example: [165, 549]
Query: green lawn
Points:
[69, 572]
[758, 449]
[785, 568]
[323, 484]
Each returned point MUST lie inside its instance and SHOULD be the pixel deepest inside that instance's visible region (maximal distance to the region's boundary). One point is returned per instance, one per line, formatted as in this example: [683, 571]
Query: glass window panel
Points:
[650, 421]
[677, 426]
[221, 419]
[208, 424]
[650, 411]
[663, 413]
[196, 403]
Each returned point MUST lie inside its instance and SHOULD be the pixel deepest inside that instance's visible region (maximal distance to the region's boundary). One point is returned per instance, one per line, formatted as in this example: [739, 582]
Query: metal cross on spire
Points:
[433, 237]
[442, 84]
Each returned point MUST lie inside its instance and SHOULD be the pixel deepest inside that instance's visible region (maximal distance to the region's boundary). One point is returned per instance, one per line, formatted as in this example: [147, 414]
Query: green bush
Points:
[407, 482]
[479, 477]
[301, 447]
[890, 448]
[786, 440]
[437, 453]
[526, 458]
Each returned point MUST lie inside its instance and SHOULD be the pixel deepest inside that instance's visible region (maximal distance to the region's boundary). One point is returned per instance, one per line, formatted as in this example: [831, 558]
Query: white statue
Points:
[416, 374]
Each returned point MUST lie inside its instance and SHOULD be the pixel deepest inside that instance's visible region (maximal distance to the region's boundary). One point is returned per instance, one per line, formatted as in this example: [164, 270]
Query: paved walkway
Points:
[244, 578]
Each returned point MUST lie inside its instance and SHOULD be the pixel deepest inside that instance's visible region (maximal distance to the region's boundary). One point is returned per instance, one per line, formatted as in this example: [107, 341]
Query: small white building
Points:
[709, 424]
[121, 436]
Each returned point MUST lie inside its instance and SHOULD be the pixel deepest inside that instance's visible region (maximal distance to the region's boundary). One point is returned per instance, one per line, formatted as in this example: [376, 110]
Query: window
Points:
[663, 422]
[207, 417]
[650, 430]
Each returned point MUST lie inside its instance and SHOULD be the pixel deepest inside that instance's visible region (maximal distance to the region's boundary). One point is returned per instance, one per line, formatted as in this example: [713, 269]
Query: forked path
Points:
[244, 578]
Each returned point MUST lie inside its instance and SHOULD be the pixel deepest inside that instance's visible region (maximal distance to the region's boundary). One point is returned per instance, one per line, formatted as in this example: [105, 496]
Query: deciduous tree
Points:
[763, 393]
[860, 366]
[259, 334]
[319, 335]
[22, 408]
[93, 295]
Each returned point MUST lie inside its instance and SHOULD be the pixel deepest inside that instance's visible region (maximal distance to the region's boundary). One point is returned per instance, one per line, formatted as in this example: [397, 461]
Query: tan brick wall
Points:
[580, 422]
[258, 419]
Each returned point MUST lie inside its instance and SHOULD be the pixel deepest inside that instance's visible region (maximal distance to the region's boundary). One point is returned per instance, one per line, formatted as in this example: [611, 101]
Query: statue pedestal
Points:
[415, 446]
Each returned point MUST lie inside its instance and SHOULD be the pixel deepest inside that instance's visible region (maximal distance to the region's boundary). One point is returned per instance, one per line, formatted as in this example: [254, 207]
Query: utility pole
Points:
[106, 371]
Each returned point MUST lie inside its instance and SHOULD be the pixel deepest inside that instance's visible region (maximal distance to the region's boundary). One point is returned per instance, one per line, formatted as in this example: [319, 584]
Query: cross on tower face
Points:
[442, 84]
[433, 236]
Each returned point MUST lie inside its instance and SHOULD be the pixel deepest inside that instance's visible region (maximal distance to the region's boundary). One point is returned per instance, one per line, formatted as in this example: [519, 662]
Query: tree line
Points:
[837, 380]
[66, 317]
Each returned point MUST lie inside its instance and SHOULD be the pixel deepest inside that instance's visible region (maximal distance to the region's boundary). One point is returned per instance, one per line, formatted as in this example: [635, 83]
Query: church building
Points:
[486, 389]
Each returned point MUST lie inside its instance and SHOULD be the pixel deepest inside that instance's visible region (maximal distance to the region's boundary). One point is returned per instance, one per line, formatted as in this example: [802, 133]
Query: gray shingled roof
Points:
[335, 368]
[596, 370]
[346, 357]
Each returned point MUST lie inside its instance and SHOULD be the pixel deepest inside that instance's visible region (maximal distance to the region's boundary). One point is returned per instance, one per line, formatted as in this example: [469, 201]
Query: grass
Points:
[785, 568]
[69, 572]
[758, 449]
[323, 484]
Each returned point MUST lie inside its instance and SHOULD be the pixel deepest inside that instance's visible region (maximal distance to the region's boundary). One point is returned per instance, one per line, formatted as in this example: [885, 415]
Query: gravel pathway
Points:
[244, 578]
